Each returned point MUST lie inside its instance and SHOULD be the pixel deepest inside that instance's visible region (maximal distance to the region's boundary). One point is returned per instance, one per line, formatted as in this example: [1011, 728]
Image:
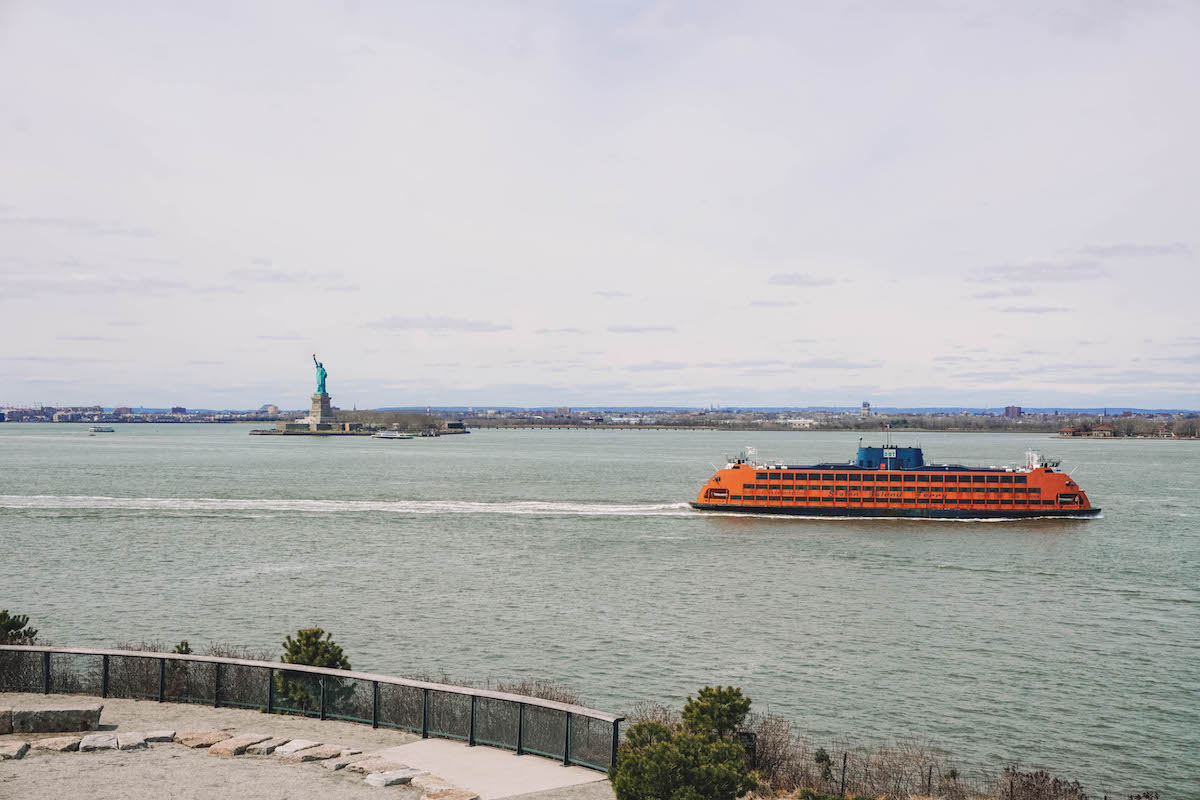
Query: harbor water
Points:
[572, 555]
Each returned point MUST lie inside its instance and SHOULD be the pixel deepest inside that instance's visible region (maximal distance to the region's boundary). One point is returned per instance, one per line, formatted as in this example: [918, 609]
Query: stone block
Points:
[267, 747]
[160, 736]
[98, 741]
[371, 764]
[12, 751]
[5, 721]
[319, 753]
[197, 739]
[133, 740]
[435, 787]
[334, 764]
[294, 746]
[238, 744]
[59, 744]
[392, 778]
[36, 719]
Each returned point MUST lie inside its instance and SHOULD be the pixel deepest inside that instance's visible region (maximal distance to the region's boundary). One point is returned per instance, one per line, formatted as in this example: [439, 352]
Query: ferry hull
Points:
[908, 513]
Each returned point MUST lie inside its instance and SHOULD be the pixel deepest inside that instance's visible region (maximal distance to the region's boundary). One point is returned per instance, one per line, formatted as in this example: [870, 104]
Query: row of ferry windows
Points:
[872, 477]
[906, 500]
[981, 489]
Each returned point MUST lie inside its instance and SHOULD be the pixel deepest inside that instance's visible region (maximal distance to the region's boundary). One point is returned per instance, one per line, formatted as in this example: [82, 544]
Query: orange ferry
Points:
[895, 482]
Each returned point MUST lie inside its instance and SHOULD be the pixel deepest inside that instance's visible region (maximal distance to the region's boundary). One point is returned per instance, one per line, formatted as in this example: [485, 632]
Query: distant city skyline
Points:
[546, 204]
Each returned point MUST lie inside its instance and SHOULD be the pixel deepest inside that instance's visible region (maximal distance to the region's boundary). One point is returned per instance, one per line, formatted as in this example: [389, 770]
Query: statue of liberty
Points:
[320, 375]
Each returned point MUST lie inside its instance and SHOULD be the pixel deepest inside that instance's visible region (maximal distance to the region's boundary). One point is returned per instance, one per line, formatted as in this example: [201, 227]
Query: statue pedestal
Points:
[321, 412]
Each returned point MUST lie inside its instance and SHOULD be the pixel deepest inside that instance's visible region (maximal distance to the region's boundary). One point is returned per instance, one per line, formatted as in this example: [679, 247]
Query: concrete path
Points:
[491, 772]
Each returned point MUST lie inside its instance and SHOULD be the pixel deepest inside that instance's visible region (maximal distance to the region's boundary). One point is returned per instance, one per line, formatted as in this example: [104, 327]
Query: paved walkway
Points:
[187, 774]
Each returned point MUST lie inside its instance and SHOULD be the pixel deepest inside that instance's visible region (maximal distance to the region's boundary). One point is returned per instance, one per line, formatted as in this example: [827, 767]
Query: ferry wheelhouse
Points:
[895, 482]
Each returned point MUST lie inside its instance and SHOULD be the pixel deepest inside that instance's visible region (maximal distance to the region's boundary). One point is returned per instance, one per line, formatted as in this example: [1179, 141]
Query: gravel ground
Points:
[173, 771]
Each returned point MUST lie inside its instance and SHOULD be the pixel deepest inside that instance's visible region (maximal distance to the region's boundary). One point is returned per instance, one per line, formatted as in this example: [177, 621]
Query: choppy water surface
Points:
[572, 555]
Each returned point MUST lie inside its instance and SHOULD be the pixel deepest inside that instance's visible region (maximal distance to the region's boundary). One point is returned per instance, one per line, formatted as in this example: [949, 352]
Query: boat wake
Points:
[201, 504]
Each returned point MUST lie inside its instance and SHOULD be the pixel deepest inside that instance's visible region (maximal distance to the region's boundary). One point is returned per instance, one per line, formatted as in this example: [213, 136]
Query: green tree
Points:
[717, 711]
[14, 629]
[315, 648]
[660, 763]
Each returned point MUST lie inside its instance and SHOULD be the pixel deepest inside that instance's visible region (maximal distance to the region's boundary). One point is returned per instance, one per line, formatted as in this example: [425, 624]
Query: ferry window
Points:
[774, 476]
[993, 478]
[787, 476]
[855, 478]
[951, 479]
[992, 491]
[894, 478]
[935, 478]
[937, 500]
[1035, 490]
[827, 476]
[761, 486]
[735, 497]
[868, 478]
[1022, 478]
[978, 489]
[976, 479]
[840, 477]
[909, 500]
[1006, 502]
[1006, 478]
[993, 502]
[787, 499]
[922, 479]
[910, 478]
[762, 476]
[1005, 490]
[747, 485]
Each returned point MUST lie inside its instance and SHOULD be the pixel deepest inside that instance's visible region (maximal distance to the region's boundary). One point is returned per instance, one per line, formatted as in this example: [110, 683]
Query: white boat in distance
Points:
[101, 429]
[391, 435]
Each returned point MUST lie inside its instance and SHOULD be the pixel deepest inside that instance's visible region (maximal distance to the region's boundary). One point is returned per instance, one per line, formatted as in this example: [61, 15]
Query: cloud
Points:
[89, 339]
[1132, 250]
[997, 294]
[264, 275]
[799, 279]
[951, 359]
[83, 225]
[656, 366]
[1033, 310]
[611, 294]
[834, 363]
[553, 331]
[641, 328]
[1040, 272]
[91, 285]
[772, 303]
[279, 338]
[733, 364]
[438, 324]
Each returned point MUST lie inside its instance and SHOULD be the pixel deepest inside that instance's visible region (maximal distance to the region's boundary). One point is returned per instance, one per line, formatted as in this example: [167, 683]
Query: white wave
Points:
[203, 504]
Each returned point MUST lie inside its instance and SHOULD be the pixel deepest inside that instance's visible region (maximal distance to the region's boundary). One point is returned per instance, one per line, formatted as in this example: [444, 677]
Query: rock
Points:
[371, 764]
[435, 787]
[98, 741]
[196, 739]
[133, 740]
[294, 746]
[392, 778]
[59, 744]
[267, 747]
[39, 719]
[160, 736]
[13, 751]
[238, 744]
[5, 721]
[319, 753]
[334, 764]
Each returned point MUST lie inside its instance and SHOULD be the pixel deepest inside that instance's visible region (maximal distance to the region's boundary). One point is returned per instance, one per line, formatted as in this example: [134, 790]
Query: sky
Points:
[618, 203]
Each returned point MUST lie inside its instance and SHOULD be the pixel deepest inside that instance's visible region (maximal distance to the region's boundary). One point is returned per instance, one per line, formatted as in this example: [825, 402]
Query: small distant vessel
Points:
[895, 482]
[391, 435]
[101, 429]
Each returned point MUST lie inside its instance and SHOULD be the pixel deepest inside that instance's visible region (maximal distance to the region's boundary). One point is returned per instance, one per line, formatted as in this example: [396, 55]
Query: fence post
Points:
[162, 679]
[567, 743]
[217, 684]
[616, 738]
[46, 671]
[520, 729]
[845, 758]
[374, 704]
[425, 714]
[929, 781]
[104, 676]
[271, 690]
[322, 697]
[471, 730]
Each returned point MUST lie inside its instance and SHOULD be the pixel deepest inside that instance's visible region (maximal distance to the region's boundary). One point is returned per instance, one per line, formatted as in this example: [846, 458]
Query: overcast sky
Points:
[616, 203]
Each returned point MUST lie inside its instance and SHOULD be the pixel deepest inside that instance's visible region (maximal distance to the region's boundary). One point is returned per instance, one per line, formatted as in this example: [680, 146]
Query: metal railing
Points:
[574, 734]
